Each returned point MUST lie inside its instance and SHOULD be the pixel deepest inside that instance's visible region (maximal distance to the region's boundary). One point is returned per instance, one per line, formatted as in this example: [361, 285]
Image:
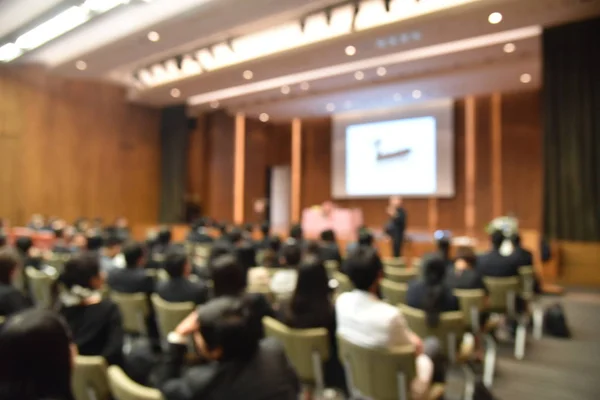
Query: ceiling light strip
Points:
[351, 67]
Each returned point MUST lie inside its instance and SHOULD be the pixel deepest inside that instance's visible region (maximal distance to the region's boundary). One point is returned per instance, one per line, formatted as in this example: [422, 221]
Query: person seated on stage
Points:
[37, 222]
[94, 321]
[464, 274]
[523, 258]
[283, 282]
[329, 249]
[365, 320]
[430, 292]
[11, 299]
[132, 278]
[240, 366]
[495, 264]
[179, 289]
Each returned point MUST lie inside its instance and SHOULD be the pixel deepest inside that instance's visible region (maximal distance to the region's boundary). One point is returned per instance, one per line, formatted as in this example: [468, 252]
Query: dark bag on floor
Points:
[482, 393]
[555, 322]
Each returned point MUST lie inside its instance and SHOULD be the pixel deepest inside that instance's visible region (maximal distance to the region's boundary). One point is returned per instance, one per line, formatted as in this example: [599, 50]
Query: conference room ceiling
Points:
[451, 53]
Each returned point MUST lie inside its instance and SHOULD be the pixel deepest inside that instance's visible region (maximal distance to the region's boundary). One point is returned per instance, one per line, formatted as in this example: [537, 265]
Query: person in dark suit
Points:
[265, 229]
[443, 242]
[25, 248]
[60, 245]
[495, 264]
[329, 249]
[396, 225]
[179, 288]
[199, 233]
[240, 366]
[133, 278]
[523, 258]
[464, 275]
[11, 300]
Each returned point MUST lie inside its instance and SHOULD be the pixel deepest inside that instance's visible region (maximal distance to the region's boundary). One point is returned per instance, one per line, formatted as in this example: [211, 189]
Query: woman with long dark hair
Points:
[36, 357]
[311, 307]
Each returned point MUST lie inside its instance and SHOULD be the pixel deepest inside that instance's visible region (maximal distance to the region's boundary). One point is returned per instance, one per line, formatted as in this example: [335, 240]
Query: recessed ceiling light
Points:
[305, 86]
[175, 92]
[81, 65]
[330, 107]
[214, 104]
[526, 78]
[347, 104]
[264, 117]
[397, 97]
[416, 94]
[359, 75]
[509, 47]
[495, 18]
[350, 50]
[285, 89]
[153, 36]
[248, 74]
[381, 71]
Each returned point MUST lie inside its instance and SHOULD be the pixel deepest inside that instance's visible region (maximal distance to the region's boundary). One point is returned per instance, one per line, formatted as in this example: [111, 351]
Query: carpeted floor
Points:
[553, 369]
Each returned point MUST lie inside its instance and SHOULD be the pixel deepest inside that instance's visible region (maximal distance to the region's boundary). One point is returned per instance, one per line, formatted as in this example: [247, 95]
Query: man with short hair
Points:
[495, 264]
[365, 320]
[396, 226]
[110, 250]
[328, 248]
[132, 278]
[283, 282]
[11, 300]
[179, 289]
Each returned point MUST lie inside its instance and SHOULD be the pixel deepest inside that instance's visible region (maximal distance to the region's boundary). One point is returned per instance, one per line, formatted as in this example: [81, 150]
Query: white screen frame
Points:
[441, 110]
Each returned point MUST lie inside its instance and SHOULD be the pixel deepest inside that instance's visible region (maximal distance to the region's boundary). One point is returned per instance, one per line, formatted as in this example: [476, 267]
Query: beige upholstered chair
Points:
[527, 274]
[344, 283]
[380, 374]
[57, 261]
[332, 266]
[449, 331]
[123, 388]
[307, 349]
[472, 302]
[162, 275]
[394, 262]
[394, 292]
[2, 319]
[134, 311]
[400, 275]
[89, 380]
[169, 315]
[40, 285]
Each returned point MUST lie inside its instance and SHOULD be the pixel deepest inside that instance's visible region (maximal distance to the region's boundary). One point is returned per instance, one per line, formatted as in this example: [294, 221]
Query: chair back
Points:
[394, 262]
[169, 315]
[400, 275]
[89, 381]
[382, 374]
[40, 285]
[449, 330]
[307, 349]
[331, 266]
[344, 283]
[162, 275]
[57, 261]
[472, 302]
[124, 388]
[503, 292]
[527, 275]
[394, 292]
[134, 310]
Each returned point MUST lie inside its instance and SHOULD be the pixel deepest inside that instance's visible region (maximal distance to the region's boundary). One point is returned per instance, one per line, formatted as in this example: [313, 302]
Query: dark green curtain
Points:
[174, 136]
[571, 92]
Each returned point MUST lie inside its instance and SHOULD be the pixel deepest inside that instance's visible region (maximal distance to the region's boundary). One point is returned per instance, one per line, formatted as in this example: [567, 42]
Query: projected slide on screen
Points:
[397, 156]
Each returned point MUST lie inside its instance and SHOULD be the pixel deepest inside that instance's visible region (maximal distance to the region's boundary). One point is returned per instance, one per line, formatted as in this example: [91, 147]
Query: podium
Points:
[343, 221]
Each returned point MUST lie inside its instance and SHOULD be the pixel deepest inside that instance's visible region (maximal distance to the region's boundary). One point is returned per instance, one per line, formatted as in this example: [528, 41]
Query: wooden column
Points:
[470, 124]
[432, 214]
[296, 169]
[239, 168]
[496, 151]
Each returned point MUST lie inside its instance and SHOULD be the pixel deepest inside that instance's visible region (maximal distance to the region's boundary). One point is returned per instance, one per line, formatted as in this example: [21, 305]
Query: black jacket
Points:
[397, 224]
[268, 375]
[329, 252]
[467, 279]
[495, 264]
[11, 300]
[415, 297]
[180, 290]
[130, 280]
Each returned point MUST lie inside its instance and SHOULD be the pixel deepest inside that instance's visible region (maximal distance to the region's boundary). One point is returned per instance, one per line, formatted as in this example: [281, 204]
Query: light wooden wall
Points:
[73, 148]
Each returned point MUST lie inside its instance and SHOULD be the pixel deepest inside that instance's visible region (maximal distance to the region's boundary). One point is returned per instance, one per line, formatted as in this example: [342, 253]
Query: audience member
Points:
[198, 233]
[495, 264]
[163, 242]
[430, 293]
[122, 229]
[365, 320]
[36, 357]
[78, 243]
[265, 229]
[3, 239]
[464, 275]
[29, 254]
[179, 288]
[297, 233]
[94, 321]
[246, 254]
[60, 245]
[329, 249]
[365, 238]
[94, 242]
[132, 278]
[311, 307]
[240, 365]
[283, 282]
[37, 222]
[11, 300]
[523, 258]
[110, 251]
[270, 256]
[443, 242]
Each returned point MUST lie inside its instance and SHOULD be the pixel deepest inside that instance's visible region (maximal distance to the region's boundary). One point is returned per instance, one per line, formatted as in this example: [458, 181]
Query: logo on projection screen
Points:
[389, 155]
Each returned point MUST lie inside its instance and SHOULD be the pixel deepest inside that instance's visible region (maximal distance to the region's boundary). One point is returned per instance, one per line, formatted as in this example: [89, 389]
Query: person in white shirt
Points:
[365, 320]
[283, 282]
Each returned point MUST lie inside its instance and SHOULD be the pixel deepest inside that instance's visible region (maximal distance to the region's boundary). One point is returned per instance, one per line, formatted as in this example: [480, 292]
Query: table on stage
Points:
[343, 221]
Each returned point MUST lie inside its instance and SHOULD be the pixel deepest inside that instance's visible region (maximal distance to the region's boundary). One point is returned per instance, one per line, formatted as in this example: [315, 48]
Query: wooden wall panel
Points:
[522, 168]
[197, 152]
[316, 162]
[483, 163]
[76, 149]
[279, 144]
[257, 138]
